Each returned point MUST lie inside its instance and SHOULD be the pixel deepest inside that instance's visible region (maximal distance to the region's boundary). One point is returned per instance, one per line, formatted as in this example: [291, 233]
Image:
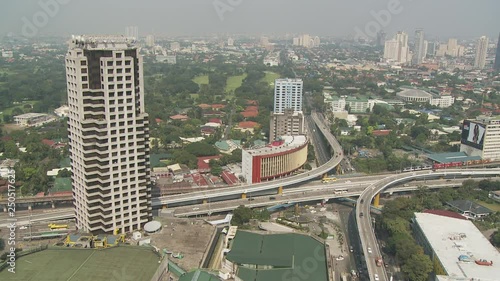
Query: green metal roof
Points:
[277, 257]
[449, 157]
[198, 275]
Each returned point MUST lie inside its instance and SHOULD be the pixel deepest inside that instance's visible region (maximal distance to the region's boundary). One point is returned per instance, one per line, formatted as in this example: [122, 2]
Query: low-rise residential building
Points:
[32, 119]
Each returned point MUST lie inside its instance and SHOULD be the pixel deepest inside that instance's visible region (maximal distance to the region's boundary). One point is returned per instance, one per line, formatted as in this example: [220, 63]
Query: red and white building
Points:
[280, 158]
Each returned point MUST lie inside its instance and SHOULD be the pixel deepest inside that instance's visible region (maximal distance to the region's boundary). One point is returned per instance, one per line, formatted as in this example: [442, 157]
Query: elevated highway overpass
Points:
[363, 218]
[195, 197]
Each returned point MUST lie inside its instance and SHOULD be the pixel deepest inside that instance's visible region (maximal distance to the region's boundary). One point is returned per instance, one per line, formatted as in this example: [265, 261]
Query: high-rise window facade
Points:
[109, 134]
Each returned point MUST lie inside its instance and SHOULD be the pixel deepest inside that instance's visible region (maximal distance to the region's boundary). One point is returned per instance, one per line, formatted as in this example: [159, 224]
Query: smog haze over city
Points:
[250, 140]
[462, 19]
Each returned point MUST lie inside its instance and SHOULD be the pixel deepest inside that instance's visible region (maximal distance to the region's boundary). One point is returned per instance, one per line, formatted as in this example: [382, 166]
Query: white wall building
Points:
[397, 50]
[287, 94]
[108, 133]
[457, 247]
[481, 137]
[481, 52]
[442, 101]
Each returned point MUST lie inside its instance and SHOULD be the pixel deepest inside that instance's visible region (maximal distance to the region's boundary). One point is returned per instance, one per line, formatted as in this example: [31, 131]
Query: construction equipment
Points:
[58, 226]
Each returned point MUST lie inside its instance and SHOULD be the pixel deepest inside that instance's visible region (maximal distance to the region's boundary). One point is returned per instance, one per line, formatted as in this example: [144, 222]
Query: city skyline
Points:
[182, 18]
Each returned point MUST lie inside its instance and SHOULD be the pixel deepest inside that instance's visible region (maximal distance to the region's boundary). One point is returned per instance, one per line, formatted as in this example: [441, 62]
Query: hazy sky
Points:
[438, 18]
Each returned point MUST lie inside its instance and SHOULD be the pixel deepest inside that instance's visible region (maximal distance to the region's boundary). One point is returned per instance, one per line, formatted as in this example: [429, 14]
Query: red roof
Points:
[252, 102]
[218, 106]
[204, 106]
[229, 178]
[252, 108]
[381, 133]
[248, 114]
[203, 161]
[215, 120]
[158, 120]
[199, 180]
[50, 143]
[445, 213]
[40, 194]
[62, 193]
[179, 117]
[248, 124]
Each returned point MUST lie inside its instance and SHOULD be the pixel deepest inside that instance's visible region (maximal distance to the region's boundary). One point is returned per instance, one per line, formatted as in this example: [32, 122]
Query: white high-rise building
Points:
[481, 52]
[397, 49]
[481, 137]
[419, 54]
[287, 94]
[230, 41]
[108, 134]
[150, 40]
[287, 117]
[132, 31]
[391, 50]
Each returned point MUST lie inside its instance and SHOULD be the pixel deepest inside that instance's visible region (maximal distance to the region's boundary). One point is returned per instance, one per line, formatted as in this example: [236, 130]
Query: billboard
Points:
[473, 134]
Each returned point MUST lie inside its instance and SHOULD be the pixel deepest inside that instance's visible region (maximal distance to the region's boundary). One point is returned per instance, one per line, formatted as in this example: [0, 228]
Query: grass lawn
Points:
[270, 77]
[495, 207]
[9, 110]
[200, 80]
[234, 82]
[6, 71]
[121, 263]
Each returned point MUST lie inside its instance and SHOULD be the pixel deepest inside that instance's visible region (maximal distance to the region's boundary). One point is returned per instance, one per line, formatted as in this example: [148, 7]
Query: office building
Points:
[396, 50]
[458, 249]
[419, 55]
[451, 49]
[288, 123]
[287, 117]
[275, 160]
[481, 137]
[150, 40]
[108, 134]
[381, 38]
[230, 41]
[132, 31]
[481, 52]
[287, 94]
[497, 56]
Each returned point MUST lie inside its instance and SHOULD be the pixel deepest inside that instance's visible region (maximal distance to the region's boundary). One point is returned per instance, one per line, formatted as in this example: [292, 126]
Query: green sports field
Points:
[115, 264]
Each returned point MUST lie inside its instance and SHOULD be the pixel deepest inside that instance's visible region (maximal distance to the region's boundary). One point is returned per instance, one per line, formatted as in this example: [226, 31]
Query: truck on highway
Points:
[378, 261]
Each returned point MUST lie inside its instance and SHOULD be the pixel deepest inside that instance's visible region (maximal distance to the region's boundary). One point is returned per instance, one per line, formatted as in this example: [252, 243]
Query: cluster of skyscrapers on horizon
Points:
[397, 50]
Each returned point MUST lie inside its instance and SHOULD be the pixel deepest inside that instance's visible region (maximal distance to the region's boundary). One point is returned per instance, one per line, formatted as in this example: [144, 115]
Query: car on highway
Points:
[360, 214]
[251, 199]
[340, 258]
[376, 277]
[23, 227]
[369, 250]
[196, 209]
[351, 249]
